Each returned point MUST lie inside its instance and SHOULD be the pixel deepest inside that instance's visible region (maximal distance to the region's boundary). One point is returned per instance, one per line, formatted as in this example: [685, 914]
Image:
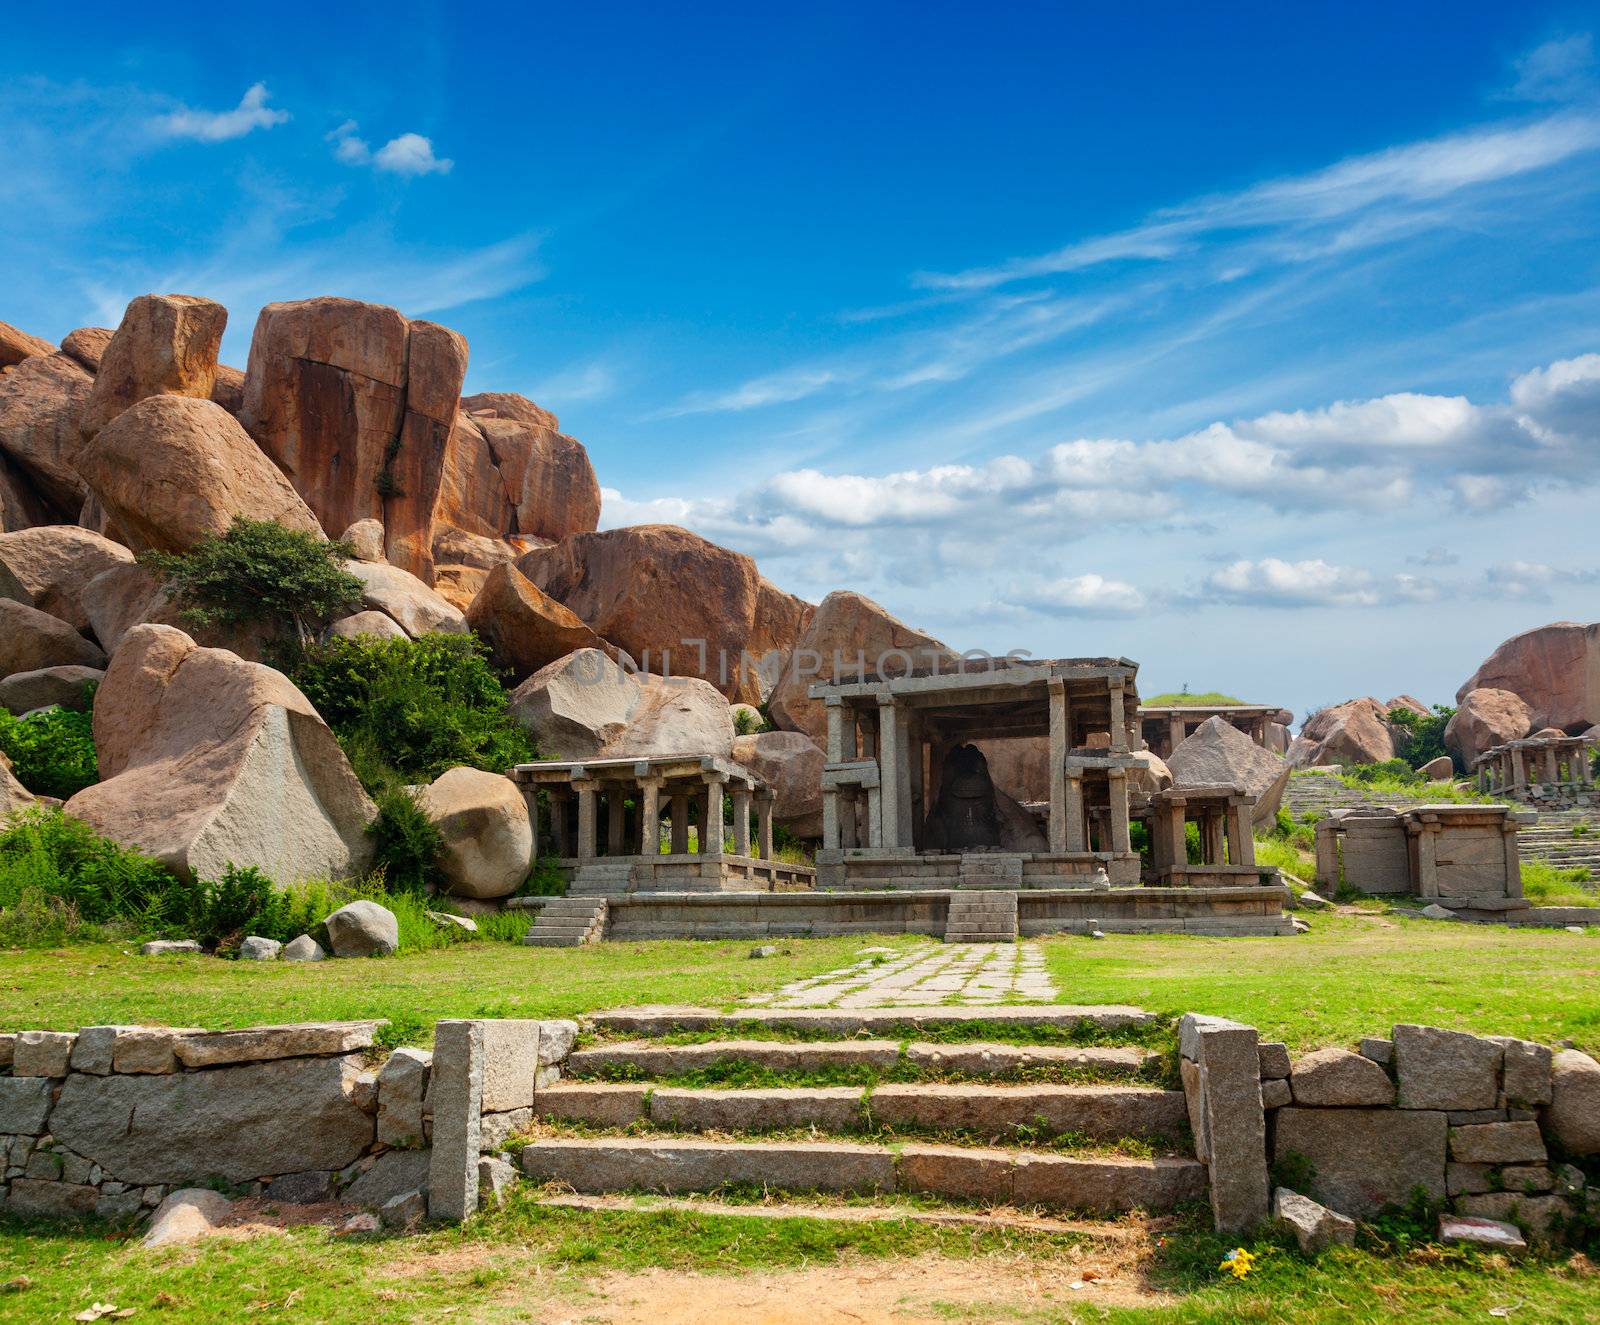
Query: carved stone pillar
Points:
[764, 800]
[588, 846]
[649, 816]
[711, 829]
[889, 772]
[1121, 841]
[680, 823]
[741, 821]
[1119, 729]
[1076, 827]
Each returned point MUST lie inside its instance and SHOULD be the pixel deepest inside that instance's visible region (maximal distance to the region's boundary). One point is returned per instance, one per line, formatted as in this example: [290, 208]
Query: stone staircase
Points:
[895, 1103]
[568, 922]
[981, 916]
[600, 877]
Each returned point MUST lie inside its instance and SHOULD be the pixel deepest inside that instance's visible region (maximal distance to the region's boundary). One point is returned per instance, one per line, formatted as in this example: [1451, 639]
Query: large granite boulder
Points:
[209, 760]
[173, 470]
[586, 706]
[365, 625]
[1355, 732]
[49, 687]
[87, 345]
[166, 345]
[17, 345]
[488, 836]
[1485, 718]
[55, 562]
[130, 595]
[31, 639]
[236, 1123]
[41, 401]
[675, 603]
[845, 629]
[1219, 752]
[523, 626]
[791, 764]
[13, 795]
[363, 928]
[1556, 671]
[545, 476]
[1572, 1118]
[398, 594]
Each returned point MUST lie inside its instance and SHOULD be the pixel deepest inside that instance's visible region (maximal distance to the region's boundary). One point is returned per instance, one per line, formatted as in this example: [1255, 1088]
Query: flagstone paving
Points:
[966, 974]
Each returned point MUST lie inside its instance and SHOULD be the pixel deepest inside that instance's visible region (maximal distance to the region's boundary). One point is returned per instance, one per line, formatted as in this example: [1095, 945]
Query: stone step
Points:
[644, 1060]
[595, 1165]
[653, 1021]
[1103, 1113]
[981, 917]
[568, 922]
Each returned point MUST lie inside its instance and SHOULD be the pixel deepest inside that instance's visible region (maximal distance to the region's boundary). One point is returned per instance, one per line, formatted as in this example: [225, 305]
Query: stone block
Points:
[955, 1172]
[402, 1087]
[1106, 1186]
[1475, 1231]
[510, 1064]
[409, 1208]
[1274, 1058]
[495, 1129]
[1365, 1159]
[1315, 1227]
[305, 1188]
[830, 1108]
[51, 1200]
[170, 948]
[1380, 1052]
[556, 1039]
[43, 1166]
[8, 1048]
[1469, 1179]
[1498, 1143]
[42, 1053]
[257, 1044]
[116, 1207]
[188, 1214]
[496, 1178]
[93, 1051]
[1439, 1069]
[1275, 1094]
[1103, 1112]
[1472, 1117]
[146, 1050]
[600, 1104]
[1526, 1071]
[258, 949]
[1530, 1179]
[456, 1094]
[236, 1123]
[392, 1174]
[1337, 1077]
[24, 1106]
[1234, 1120]
[623, 1163]
[1542, 1216]
[1573, 1115]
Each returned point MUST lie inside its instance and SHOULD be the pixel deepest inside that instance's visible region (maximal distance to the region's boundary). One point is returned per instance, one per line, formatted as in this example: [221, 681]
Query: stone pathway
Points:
[963, 974]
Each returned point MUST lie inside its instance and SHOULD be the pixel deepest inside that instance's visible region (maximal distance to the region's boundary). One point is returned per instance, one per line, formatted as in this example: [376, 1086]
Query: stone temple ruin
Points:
[1164, 727]
[1540, 769]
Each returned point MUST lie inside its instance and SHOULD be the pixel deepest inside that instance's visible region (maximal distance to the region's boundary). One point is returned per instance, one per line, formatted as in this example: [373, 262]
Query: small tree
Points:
[261, 573]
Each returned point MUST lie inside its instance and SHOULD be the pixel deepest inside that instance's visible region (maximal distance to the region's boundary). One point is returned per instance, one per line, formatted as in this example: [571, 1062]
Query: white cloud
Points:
[1271, 582]
[411, 154]
[1534, 581]
[1435, 557]
[773, 389]
[1087, 595]
[1557, 70]
[348, 146]
[206, 126]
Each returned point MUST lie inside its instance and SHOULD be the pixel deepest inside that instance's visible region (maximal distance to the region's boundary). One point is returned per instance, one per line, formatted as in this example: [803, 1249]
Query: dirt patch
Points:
[926, 1288]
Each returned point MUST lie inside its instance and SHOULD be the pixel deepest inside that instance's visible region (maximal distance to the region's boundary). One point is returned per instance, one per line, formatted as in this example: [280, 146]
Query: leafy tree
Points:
[1422, 737]
[52, 753]
[260, 573]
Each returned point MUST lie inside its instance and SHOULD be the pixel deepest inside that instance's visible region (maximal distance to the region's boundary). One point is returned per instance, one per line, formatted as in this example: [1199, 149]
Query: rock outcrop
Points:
[1485, 718]
[675, 603]
[523, 626]
[845, 630]
[586, 706]
[1219, 752]
[87, 345]
[488, 836]
[54, 563]
[209, 760]
[791, 764]
[31, 639]
[1554, 669]
[41, 401]
[166, 345]
[49, 687]
[17, 345]
[1355, 732]
[545, 476]
[173, 470]
[400, 595]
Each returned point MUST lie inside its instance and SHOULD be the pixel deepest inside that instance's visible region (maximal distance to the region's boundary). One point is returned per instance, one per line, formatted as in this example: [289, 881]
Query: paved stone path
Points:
[967, 974]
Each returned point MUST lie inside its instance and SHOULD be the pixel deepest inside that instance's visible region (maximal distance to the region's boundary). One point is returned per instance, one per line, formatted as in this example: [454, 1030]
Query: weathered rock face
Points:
[524, 627]
[366, 539]
[652, 590]
[545, 475]
[1573, 1114]
[488, 836]
[845, 628]
[41, 401]
[1365, 1159]
[363, 928]
[435, 368]
[13, 795]
[166, 345]
[17, 345]
[585, 706]
[87, 345]
[791, 764]
[173, 470]
[210, 760]
[31, 639]
[1486, 718]
[55, 562]
[1355, 732]
[1556, 671]
[1219, 752]
[61, 687]
[372, 625]
[227, 388]
[230, 1122]
[400, 595]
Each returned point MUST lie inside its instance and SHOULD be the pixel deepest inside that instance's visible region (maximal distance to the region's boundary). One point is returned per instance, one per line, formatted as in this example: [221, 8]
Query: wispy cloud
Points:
[1535, 581]
[1271, 582]
[408, 154]
[590, 381]
[1559, 70]
[208, 126]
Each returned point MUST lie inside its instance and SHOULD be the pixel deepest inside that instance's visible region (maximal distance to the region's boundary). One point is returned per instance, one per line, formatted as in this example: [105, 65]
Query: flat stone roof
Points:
[661, 766]
[978, 674]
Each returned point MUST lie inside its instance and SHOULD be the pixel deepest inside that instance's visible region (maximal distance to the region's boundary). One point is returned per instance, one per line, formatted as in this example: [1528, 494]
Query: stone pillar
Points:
[874, 817]
[1552, 770]
[836, 715]
[1075, 820]
[680, 823]
[588, 845]
[831, 839]
[889, 772]
[741, 821]
[561, 820]
[764, 800]
[1119, 727]
[1174, 847]
[916, 799]
[711, 829]
[1221, 1070]
[1513, 858]
[1580, 764]
[1241, 837]
[1518, 776]
[904, 747]
[1174, 732]
[1213, 846]
[1121, 841]
[649, 816]
[1427, 862]
[530, 798]
[456, 1089]
[616, 822]
[1058, 763]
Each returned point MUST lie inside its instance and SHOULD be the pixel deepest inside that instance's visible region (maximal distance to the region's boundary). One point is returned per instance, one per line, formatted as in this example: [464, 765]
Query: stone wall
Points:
[1483, 1125]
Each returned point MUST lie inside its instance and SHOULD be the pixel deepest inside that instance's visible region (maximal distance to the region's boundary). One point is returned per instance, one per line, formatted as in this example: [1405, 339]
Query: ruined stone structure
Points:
[1227, 840]
[606, 825]
[1164, 727]
[1538, 769]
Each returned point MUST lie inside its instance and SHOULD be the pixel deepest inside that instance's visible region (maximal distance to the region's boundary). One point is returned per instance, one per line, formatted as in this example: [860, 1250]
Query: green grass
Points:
[1545, 885]
[1176, 697]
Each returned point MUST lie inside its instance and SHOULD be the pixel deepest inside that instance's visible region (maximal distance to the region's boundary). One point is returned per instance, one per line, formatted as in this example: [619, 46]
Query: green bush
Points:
[406, 843]
[1388, 773]
[245, 902]
[51, 753]
[261, 574]
[1421, 738]
[407, 710]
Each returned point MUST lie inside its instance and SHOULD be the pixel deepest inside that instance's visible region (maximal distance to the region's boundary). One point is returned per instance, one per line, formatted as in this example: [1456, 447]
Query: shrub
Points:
[406, 843]
[260, 573]
[52, 753]
[1421, 738]
[406, 710]
[244, 901]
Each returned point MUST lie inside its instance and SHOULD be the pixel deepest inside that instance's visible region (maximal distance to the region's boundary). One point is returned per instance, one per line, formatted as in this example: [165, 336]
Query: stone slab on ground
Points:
[628, 1163]
[667, 1060]
[1315, 1227]
[257, 1044]
[1102, 1112]
[1477, 1231]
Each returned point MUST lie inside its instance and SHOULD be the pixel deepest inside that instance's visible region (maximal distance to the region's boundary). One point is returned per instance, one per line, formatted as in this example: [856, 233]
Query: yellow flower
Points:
[1238, 1262]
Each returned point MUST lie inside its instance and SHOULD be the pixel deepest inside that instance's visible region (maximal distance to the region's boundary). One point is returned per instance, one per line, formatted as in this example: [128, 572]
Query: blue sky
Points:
[1259, 343]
